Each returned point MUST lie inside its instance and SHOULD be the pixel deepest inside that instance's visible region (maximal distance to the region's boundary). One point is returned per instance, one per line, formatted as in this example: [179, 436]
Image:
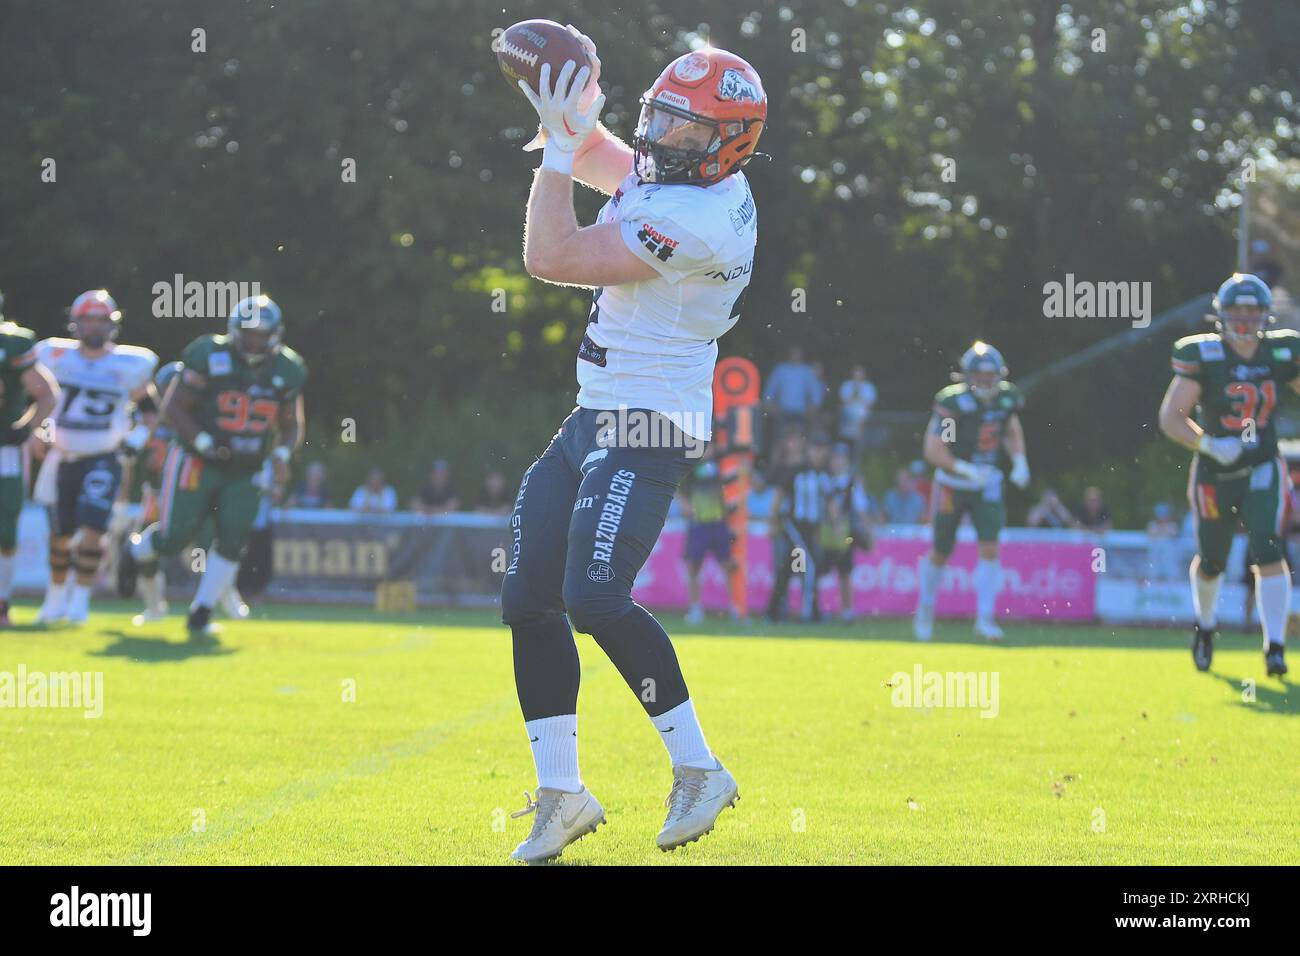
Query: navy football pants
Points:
[586, 517]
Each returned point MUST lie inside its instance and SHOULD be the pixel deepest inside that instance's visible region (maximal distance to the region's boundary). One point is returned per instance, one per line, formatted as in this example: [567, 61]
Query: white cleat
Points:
[923, 623]
[154, 612]
[988, 630]
[232, 602]
[696, 799]
[78, 610]
[54, 608]
[562, 818]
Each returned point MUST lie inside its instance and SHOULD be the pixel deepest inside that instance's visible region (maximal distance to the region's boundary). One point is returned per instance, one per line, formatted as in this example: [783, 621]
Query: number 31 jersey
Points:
[653, 344]
[1239, 397]
[94, 411]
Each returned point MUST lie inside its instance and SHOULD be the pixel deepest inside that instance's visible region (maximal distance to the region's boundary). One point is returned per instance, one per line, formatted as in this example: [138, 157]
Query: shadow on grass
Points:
[1272, 695]
[158, 650]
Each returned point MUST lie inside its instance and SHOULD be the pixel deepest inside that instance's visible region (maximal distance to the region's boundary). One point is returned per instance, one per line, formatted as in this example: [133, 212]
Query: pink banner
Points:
[1041, 579]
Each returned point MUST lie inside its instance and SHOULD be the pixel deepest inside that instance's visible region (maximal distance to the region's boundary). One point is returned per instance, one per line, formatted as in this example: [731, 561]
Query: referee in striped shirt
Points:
[802, 484]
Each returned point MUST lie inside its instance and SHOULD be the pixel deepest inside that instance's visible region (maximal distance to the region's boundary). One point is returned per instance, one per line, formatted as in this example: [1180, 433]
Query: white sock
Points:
[1205, 599]
[151, 589]
[56, 593]
[217, 576]
[555, 751]
[1273, 599]
[142, 549]
[7, 564]
[683, 737]
[988, 582]
[78, 596]
[928, 587]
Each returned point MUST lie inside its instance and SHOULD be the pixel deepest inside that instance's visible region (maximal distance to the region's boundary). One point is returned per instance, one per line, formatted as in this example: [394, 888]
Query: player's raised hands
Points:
[557, 106]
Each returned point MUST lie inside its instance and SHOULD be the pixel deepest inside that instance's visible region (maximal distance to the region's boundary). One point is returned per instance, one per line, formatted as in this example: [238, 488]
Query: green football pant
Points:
[988, 513]
[13, 483]
[194, 491]
[1255, 498]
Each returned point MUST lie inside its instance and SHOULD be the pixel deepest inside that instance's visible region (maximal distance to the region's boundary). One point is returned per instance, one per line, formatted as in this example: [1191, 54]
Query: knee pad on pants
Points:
[591, 610]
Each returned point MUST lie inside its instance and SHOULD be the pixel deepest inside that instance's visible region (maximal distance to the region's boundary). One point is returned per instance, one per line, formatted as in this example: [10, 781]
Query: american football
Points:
[524, 48]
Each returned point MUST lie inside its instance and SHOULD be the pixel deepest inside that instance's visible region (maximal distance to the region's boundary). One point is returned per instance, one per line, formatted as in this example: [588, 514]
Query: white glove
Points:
[566, 125]
[982, 474]
[1020, 471]
[588, 92]
[1223, 450]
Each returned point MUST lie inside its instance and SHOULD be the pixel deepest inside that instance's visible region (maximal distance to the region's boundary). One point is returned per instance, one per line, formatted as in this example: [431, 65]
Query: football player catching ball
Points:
[1231, 378]
[668, 258]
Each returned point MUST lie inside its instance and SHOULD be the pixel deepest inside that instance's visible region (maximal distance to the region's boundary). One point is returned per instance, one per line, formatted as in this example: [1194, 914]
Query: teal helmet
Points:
[259, 315]
[983, 370]
[1243, 307]
[166, 374]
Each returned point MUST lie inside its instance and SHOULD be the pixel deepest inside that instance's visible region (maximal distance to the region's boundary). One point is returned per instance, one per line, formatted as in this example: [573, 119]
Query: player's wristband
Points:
[282, 453]
[203, 443]
[556, 159]
[1019, 461]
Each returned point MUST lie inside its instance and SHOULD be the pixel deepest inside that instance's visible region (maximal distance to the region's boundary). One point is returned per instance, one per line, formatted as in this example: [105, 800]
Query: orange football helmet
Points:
[700, 121]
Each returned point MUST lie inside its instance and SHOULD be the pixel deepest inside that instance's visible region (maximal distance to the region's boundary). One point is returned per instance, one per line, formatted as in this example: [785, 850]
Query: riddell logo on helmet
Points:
[692, 68]
[673, 99]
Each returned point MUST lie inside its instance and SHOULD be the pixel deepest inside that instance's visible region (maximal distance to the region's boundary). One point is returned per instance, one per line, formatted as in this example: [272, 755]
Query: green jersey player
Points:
[28, 395]
[973, 421]
[237, 392]
[1220, 405]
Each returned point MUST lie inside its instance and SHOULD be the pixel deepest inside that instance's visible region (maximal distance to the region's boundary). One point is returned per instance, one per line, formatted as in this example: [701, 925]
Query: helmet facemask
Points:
[1243, 326]
[984, 382]
[672, 143]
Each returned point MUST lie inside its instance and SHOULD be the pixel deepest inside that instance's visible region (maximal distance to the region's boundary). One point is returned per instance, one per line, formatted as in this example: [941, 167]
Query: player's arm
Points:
[178, 409]
[291, 424]
[936, 453]
[603, 160]
[44, 393]
[1176, 422]
[556, 250]
[1013, 440]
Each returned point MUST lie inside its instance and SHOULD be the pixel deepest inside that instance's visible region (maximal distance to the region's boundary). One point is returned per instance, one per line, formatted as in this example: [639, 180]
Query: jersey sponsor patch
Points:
[661, 245]
[1211, 349]
[1282, 355]
[589, 351]
[966, 402]
[219, 363]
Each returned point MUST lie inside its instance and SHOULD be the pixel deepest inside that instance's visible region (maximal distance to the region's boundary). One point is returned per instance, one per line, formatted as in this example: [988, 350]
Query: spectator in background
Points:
[857, 398]
[903, 504]
[1050, 512]
[759, 501]
[495, 499]
[312, 491]
[1163, 546]
[793, 391]
[847, 527]
[706, 531]
[1093, 515]
[437, 496]
[375, 495]
[923, 485]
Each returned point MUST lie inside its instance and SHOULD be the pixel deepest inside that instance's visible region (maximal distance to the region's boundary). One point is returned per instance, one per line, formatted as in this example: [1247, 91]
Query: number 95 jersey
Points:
[239, 404]
[94, 411]
[652, 344]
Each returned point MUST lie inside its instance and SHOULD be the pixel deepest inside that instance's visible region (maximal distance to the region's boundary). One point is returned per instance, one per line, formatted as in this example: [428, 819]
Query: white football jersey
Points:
[653, 344]
[94, 412]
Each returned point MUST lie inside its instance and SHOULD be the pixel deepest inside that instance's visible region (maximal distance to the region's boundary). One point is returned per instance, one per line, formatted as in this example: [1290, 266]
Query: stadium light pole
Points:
[1243, 228]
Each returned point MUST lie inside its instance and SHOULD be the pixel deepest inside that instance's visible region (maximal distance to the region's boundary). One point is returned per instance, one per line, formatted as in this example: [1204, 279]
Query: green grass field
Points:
[1108, 747]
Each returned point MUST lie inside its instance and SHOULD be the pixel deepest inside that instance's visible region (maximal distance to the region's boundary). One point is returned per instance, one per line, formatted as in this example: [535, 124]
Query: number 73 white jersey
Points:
[94, 411]
[653, 344]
